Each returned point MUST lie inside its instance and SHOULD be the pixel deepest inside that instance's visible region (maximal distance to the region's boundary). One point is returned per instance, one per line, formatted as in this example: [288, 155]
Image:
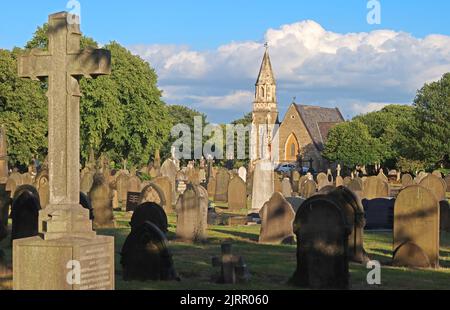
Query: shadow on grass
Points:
[243, 235]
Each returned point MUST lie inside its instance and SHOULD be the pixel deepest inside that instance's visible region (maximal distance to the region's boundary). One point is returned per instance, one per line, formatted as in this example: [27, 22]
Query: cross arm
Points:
[34, 64]
[91, 63]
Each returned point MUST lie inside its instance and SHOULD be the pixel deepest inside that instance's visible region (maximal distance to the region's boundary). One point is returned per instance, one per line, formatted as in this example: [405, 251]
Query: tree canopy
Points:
[122, 115]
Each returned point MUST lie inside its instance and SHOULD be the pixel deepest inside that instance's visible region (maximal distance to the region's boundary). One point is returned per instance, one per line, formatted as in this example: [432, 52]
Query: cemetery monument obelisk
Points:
[67, 254]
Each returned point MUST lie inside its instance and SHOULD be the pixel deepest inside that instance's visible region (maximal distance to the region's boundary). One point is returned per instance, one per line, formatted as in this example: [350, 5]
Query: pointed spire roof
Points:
[266, 73]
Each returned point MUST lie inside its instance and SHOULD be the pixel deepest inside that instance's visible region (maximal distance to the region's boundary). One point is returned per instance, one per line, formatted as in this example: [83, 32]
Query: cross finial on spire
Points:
[294, 99]
[266, 45]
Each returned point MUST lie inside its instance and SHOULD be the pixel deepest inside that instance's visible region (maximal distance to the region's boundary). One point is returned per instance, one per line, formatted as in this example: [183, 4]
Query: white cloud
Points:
[357, 72]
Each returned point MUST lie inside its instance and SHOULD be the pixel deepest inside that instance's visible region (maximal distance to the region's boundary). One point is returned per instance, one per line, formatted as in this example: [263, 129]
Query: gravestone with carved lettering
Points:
[416, 228]
[65, 231]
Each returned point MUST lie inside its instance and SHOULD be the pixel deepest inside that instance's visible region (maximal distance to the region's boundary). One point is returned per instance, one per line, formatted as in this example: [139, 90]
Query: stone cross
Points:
[64, 64]
[233, 268]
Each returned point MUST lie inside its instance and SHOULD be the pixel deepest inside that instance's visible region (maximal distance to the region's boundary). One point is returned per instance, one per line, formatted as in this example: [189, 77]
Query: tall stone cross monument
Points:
[67, 254]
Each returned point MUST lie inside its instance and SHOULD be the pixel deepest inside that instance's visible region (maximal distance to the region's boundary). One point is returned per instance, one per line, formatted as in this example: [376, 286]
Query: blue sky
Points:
[194, 33]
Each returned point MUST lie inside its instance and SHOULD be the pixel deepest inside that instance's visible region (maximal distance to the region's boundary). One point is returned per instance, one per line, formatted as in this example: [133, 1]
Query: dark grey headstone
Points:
[379, 213]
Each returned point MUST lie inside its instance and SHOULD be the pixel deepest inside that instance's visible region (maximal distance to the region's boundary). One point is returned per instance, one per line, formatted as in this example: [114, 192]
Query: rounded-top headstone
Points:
[407, 180]
[435, 185]
[375, 187]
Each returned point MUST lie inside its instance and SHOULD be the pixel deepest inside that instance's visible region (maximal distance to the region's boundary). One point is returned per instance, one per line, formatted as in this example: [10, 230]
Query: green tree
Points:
[122, 115]
[427, 138]
[23, 111]
[387, 125]
[351, 143]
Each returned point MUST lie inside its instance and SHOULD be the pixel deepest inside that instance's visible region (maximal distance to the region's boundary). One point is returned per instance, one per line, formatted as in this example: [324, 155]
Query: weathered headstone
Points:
[122, 188]
[169, 169]
[211, 186]
[149, 212]
[164, 184]
[65, 231]
[25, 212]
[222, 180]
[192, 214]
[243, 173]
[237, 195]
[286, 187]
[437, 173]
[339, 181]
[447, 181]
[232, 268]
[322, 235]
[263, 184]
[101, 199]
[146, 256]
[375, 187]
[416, 220]
[435, 185]
[309, 188]
[42, 186]
[86, 182]
[153, 193]
[277, 216]
[407, 180]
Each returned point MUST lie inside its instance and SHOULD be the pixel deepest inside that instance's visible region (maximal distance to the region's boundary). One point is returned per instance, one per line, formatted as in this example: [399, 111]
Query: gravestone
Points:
[286, 187]
[277, 216]
[122, 189]
[42, 186]
[407, 180]
[263, 184]
[356, 185]
[322, 236]
[301, 181]
[86, 182]
[133, 200]
[153, 193]
[379, 213]
[85, 202]
[353, 210]
[295, 177]
[420, 177]
[277, 187]
[146, 256]
[222, 180]
[437, 173]
[382, 176]
[164, 184]
[309, 188]
[447, 181]
[14, 181]
[211, 186]
[65, 231]
[322, 181]
[149, 212]
[416, 220]
[101, 200]
[243, 173]
[444, 215]
[169, 169]
[435, 185]
[25, 213]
[339, 181]
[232, 268]
[375, 187]
[295, 202]
[347, 181]
[192, 214]
[237, 195]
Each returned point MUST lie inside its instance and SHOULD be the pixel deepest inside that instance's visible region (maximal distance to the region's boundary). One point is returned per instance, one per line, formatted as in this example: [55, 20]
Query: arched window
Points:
[292, 148]
[262, 92]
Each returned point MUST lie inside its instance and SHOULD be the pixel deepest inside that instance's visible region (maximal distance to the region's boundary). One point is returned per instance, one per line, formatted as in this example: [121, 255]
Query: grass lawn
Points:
[270, 266]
